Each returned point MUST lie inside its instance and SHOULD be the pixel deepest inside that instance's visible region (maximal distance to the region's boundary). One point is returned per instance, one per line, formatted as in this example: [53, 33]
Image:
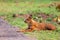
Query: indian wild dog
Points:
[33, 25]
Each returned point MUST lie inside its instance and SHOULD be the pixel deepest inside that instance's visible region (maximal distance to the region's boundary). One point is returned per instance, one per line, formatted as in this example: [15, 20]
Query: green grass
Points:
[45, 35]
[9, 7]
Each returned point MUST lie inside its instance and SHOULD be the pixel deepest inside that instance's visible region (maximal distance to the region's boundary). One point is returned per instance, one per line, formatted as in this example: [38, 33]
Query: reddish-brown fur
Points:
[33, 25]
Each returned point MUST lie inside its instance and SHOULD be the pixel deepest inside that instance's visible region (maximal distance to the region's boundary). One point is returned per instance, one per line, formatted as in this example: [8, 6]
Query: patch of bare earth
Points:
[8, 32]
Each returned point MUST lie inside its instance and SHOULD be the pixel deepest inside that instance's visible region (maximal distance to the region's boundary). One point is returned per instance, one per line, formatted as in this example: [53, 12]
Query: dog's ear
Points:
[30, 16]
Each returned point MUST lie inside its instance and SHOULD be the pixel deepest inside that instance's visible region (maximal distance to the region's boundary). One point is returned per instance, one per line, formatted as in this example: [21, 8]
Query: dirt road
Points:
[8, 32]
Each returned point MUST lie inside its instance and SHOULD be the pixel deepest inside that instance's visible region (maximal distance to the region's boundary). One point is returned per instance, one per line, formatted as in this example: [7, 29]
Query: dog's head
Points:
[28, 19]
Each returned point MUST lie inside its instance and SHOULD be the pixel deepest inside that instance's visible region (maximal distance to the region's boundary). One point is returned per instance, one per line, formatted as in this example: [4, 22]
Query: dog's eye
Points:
[27, 19]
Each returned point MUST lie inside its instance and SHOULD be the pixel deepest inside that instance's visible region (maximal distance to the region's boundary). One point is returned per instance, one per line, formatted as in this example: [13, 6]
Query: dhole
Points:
[33, 25]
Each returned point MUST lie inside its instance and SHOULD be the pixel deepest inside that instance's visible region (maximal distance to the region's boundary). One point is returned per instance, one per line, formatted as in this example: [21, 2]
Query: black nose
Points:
[25, 21]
